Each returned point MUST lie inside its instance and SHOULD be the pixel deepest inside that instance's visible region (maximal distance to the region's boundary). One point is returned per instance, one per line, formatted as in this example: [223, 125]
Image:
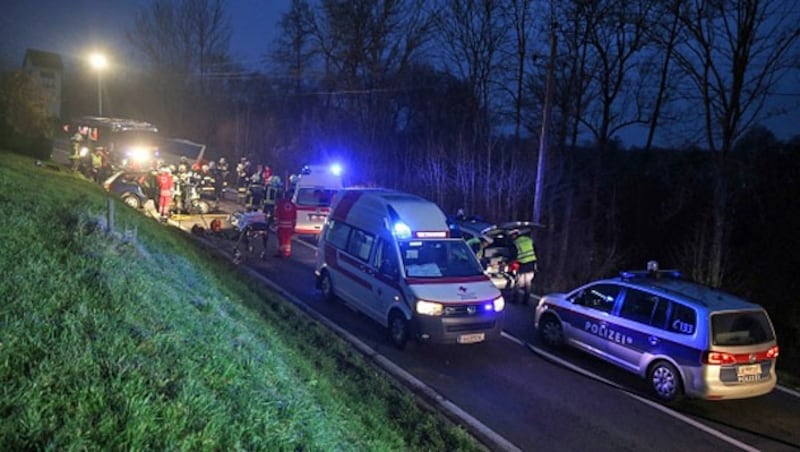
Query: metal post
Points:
[545, 135]
[110, 216]
[99, 96]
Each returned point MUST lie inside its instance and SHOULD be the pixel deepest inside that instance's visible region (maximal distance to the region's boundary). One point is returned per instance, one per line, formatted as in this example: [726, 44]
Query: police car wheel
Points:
[665, 381]
[326, 286]
[132, 201]
[550, 331]
[398, 330]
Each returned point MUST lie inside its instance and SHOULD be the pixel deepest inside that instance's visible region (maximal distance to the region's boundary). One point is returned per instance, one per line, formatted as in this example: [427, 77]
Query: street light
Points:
[98, 62]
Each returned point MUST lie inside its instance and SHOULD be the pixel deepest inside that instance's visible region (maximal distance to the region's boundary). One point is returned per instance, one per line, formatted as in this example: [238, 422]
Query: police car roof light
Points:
[634, 274]
[336, 169]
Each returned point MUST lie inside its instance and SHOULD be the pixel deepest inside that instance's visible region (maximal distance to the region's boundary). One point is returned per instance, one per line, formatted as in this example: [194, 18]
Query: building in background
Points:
[47, 69]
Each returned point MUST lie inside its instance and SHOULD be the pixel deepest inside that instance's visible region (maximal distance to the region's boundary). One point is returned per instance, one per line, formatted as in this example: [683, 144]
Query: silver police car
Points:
[684, 338]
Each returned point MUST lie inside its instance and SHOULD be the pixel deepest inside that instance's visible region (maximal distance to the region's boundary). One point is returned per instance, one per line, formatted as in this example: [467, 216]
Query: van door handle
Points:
[653, 340]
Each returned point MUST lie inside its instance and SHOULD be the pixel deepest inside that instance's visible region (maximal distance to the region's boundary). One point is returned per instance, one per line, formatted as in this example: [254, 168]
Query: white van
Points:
[390, 255]
[313, 194]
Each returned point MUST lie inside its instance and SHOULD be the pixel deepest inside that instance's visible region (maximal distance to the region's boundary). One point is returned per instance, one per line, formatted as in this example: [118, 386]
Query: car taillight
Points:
[710, 357]
[772, 353]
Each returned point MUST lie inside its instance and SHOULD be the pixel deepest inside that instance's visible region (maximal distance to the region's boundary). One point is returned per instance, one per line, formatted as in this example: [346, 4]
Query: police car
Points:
[684, 338]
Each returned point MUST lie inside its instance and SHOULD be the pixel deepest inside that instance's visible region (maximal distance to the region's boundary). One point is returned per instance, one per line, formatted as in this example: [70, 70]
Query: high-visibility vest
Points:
[525, 252]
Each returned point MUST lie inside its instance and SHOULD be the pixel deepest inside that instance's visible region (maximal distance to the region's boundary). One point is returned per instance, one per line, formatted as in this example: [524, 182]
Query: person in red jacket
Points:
[165, 187]
[286, 218]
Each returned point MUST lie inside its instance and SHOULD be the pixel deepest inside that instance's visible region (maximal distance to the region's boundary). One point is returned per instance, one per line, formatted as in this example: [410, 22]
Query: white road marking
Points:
[788, 390]
[670, 412]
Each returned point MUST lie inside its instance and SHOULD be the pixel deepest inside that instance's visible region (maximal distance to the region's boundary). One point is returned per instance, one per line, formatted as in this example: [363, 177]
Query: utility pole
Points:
[544, 137]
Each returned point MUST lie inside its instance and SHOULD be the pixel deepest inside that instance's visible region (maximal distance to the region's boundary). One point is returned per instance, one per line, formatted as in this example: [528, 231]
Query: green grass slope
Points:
[139, 340]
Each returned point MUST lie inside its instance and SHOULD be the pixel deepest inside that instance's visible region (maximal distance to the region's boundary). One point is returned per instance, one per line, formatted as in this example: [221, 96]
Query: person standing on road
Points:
[286, 216]
[525, 256]
[165, 186]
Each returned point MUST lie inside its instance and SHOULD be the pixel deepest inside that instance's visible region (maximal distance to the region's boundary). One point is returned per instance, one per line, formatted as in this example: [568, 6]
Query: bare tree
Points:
[734, 53]
[184, 42]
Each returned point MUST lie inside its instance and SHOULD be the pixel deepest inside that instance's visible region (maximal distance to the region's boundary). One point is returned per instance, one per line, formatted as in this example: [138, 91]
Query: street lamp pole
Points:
[99, 62]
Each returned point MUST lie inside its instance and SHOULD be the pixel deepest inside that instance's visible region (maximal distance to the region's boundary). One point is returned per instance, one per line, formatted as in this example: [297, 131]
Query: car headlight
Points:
[139, 154]
[499, 303]
[429, 308]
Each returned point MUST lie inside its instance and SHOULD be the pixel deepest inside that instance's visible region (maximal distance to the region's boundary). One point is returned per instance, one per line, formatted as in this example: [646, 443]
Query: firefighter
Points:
[286, 218]
[165, 186]
[525, 255]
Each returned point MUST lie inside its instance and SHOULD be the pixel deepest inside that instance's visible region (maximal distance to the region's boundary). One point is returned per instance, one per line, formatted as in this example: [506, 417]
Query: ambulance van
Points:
[391, 256]
[313, 194]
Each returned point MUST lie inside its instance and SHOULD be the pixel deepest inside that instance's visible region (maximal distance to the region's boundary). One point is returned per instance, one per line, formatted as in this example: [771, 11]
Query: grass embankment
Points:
[147, 343]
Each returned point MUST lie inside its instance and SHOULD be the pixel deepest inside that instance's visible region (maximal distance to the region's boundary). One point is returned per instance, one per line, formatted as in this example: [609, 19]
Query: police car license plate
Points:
[471, 338]
[748, 370]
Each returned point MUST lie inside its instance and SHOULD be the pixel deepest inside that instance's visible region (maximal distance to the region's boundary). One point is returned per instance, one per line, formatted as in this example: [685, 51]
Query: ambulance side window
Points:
[337, 234]
[360, 244]
[385, 259]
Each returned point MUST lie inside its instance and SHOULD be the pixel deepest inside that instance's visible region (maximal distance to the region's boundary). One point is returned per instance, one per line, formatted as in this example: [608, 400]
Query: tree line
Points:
[444, 98]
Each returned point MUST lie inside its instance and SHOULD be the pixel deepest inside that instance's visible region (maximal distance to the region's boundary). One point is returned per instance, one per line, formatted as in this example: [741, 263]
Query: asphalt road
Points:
[534, 399]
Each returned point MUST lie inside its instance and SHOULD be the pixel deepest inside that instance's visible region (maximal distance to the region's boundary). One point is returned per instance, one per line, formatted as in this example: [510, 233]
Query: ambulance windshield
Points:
[315, 196]
[438, 258]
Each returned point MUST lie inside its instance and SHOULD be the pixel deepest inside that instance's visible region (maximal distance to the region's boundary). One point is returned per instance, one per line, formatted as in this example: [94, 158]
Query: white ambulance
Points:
[391, 256]
[313, 193]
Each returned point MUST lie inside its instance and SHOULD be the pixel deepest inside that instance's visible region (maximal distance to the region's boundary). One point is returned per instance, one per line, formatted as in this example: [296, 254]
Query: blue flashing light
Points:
[488, 307]
[336, 169]
[402, 231]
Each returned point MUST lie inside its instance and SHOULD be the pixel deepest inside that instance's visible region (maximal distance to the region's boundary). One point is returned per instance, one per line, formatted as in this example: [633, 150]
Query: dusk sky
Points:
[75, 28]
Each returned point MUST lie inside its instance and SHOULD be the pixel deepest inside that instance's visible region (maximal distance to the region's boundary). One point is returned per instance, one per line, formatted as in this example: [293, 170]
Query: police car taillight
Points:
[719, 358]
[772, 353]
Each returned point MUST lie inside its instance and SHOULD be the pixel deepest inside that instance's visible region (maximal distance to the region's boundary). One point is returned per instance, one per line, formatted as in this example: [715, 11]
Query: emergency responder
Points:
[478, 245]
[97, 164]
[525, 255]
[251, 224]
[224, 172]
[286, 219]
[255, 190]
[165, 186]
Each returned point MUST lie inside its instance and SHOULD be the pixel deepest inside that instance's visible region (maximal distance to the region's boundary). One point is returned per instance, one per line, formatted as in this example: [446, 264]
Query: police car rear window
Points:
[740, 328]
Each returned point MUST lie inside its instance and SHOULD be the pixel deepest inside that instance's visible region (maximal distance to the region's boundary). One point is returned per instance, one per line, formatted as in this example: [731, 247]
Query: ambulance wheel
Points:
[550, 331]
[665, 381]
[326, 286]
[131, 200]
[398, 330]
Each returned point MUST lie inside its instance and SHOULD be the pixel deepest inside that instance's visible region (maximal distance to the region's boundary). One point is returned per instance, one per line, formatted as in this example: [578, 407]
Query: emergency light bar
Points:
[430, 234]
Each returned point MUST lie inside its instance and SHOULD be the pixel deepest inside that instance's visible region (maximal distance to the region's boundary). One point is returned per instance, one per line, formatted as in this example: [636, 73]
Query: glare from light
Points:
[429, 308]
[98, 61]
[499, 304]
[139, 154]
[336, 169]
[402, 231]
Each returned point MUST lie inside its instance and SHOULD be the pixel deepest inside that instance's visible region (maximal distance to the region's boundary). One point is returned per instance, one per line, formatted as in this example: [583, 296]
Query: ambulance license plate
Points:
[471, 338]
[749, 370]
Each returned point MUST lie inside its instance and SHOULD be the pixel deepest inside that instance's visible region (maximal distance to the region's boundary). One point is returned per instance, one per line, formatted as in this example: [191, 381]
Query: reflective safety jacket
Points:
[525, 252]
